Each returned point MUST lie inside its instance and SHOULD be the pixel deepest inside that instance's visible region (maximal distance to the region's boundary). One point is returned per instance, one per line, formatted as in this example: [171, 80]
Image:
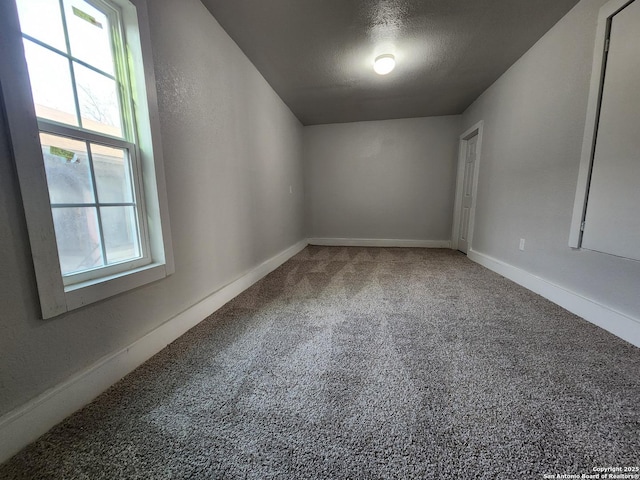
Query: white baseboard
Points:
[621, 325]
[25, 424]
[375, 242]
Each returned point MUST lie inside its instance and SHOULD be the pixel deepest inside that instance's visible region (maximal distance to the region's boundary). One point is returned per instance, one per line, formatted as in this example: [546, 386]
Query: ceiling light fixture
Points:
[383, 64]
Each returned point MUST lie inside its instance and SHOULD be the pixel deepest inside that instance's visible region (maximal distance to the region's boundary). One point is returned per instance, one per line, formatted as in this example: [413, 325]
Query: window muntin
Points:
[41, 19]
[82, 99]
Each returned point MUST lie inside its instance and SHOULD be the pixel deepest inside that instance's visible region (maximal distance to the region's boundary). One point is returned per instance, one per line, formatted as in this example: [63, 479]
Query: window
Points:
[93, 187]
[80, 87]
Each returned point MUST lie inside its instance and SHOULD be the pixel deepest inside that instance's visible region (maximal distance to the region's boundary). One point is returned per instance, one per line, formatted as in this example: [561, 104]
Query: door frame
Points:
[457, 209]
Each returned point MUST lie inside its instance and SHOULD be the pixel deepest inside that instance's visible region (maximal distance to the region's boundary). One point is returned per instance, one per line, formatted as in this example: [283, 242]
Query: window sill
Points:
[92, 291]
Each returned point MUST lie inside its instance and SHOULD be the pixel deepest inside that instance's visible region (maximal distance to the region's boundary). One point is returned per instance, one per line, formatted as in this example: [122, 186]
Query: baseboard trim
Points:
[25, 424]
[375, 242]
[620, 324]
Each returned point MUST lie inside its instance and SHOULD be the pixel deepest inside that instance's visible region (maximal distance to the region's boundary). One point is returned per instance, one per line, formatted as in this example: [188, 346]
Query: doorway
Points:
[467, 181]
[605, 215]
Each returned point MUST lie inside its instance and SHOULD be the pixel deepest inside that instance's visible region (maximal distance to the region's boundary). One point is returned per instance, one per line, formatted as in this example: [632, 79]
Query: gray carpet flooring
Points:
[364, 363]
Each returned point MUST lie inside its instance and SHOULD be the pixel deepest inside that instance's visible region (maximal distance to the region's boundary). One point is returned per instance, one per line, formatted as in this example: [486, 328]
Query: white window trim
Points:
[607, 11]
[55, 298]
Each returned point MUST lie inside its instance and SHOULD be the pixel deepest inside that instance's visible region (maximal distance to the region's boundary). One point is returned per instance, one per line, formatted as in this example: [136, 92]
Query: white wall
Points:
[534, 117]
[391, 179]
[231, 150]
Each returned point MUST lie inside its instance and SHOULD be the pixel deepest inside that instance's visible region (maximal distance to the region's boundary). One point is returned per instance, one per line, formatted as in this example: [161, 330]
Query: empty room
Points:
[309, 239]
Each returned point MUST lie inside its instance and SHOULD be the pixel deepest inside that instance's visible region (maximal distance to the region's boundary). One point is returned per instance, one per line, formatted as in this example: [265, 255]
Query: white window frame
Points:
[606, 13]
[56, 297]
[127, 142]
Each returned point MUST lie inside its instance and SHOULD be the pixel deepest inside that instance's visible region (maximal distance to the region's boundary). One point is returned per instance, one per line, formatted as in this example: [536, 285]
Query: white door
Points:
[612, 223]
[467, 193]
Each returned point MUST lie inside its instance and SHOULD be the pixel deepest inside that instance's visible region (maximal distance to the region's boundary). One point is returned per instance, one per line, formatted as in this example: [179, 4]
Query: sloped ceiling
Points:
[318, 54]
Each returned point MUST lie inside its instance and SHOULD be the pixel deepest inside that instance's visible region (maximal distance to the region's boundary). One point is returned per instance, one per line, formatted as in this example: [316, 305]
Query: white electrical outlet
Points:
[290, 189]
[521, 247]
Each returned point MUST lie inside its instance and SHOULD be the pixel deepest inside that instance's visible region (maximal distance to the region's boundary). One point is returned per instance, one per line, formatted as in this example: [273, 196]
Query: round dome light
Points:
[384, 64]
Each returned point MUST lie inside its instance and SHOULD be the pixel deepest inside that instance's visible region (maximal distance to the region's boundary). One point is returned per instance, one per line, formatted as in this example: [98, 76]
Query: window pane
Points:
[120, 233]
[68, 173]
[113, 175]
[89, 35]
[99, 104]
[78, 239]
[41, 19]
[50, 84]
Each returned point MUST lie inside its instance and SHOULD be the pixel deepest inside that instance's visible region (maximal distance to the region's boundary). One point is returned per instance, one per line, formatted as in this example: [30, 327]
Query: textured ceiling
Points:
[318, 54]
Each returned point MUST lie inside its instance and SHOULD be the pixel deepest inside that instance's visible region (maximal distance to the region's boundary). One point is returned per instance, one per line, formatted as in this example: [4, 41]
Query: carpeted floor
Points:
[364, 363]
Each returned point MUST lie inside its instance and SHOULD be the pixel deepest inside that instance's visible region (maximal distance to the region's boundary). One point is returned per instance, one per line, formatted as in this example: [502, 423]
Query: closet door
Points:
[612, 222]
